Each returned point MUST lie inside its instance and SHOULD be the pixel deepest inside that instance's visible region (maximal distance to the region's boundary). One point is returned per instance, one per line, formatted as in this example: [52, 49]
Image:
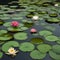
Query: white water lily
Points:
[56, 5]
[12, 51]
[35, 17]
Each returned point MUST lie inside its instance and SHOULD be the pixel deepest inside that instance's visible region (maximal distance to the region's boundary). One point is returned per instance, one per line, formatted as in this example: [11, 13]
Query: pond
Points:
[30, 31]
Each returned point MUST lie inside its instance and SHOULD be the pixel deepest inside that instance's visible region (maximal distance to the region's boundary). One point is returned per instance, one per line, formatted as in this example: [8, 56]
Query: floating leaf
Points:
[54, 55]
[7, 24]
[27, 24]
[3, 31]
[5, 18]
[56, 48]
[9, 44]
[24, 28]
[1, 54]
[53, 15]
[1, 22]
[51, 38]
[37, 40]
[58, 41]
[43, 48]
[16, 18]
[37, 54]
[45, 33]
[14, 29]
[53, 20]
[20, 36]
[26, 47]
[5, 37]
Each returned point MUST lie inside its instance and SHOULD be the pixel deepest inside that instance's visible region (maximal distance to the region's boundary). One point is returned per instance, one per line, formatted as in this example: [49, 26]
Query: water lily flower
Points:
[12, 51]
[56, 5]
[14, 23]
[35, 17]
[33, 30]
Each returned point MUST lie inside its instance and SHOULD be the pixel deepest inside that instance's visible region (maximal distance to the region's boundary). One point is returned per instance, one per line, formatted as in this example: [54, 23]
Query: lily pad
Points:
[51, 38]
[26, 47]
[45, 33]
[29, 15]
[54, 55]
[53, 20]
[43, 48]
[3, 32]
[16, 18]
[9, 44]
[5, 18]
[7, 24]
[20, 36]
[37, 54]
[1, 22]
[42, 12]
[58, 41]
[56, 49]
[24, 28]
[28, 24]
[37, 40]
[46, 4]
[1, 54]
[4, 37]
[53, 15]
[14, 29]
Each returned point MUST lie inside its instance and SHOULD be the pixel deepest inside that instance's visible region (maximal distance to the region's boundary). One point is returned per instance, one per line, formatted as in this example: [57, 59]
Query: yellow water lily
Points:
[12, 51]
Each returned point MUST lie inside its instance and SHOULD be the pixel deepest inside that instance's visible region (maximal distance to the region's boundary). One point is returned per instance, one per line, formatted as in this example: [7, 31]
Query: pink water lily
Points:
[33, 30]
[14, 23]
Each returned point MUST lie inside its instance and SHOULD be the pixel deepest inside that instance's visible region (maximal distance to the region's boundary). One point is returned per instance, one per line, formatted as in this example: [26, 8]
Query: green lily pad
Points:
[21, 27]
[5, 18]
[26, 47]
[4, 37]
[43, 48]
[45, 33]
[7, 24]
[9, 44]
[54, 55]
[16, 18]
[20, 36]
[3, 32]
[1, 22]
[37, 54]
[56, 49]
[46, 4]
[1, 54]
[13, 6]
[58, 41]
[29, 15]
[53, 15]
[2, 42]
[31, 10]
[14, 29]
[37, 40]
[53, 20]
[24, 28]
[28, 24]
[42, 12]
[51, 38]
[24, 21]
